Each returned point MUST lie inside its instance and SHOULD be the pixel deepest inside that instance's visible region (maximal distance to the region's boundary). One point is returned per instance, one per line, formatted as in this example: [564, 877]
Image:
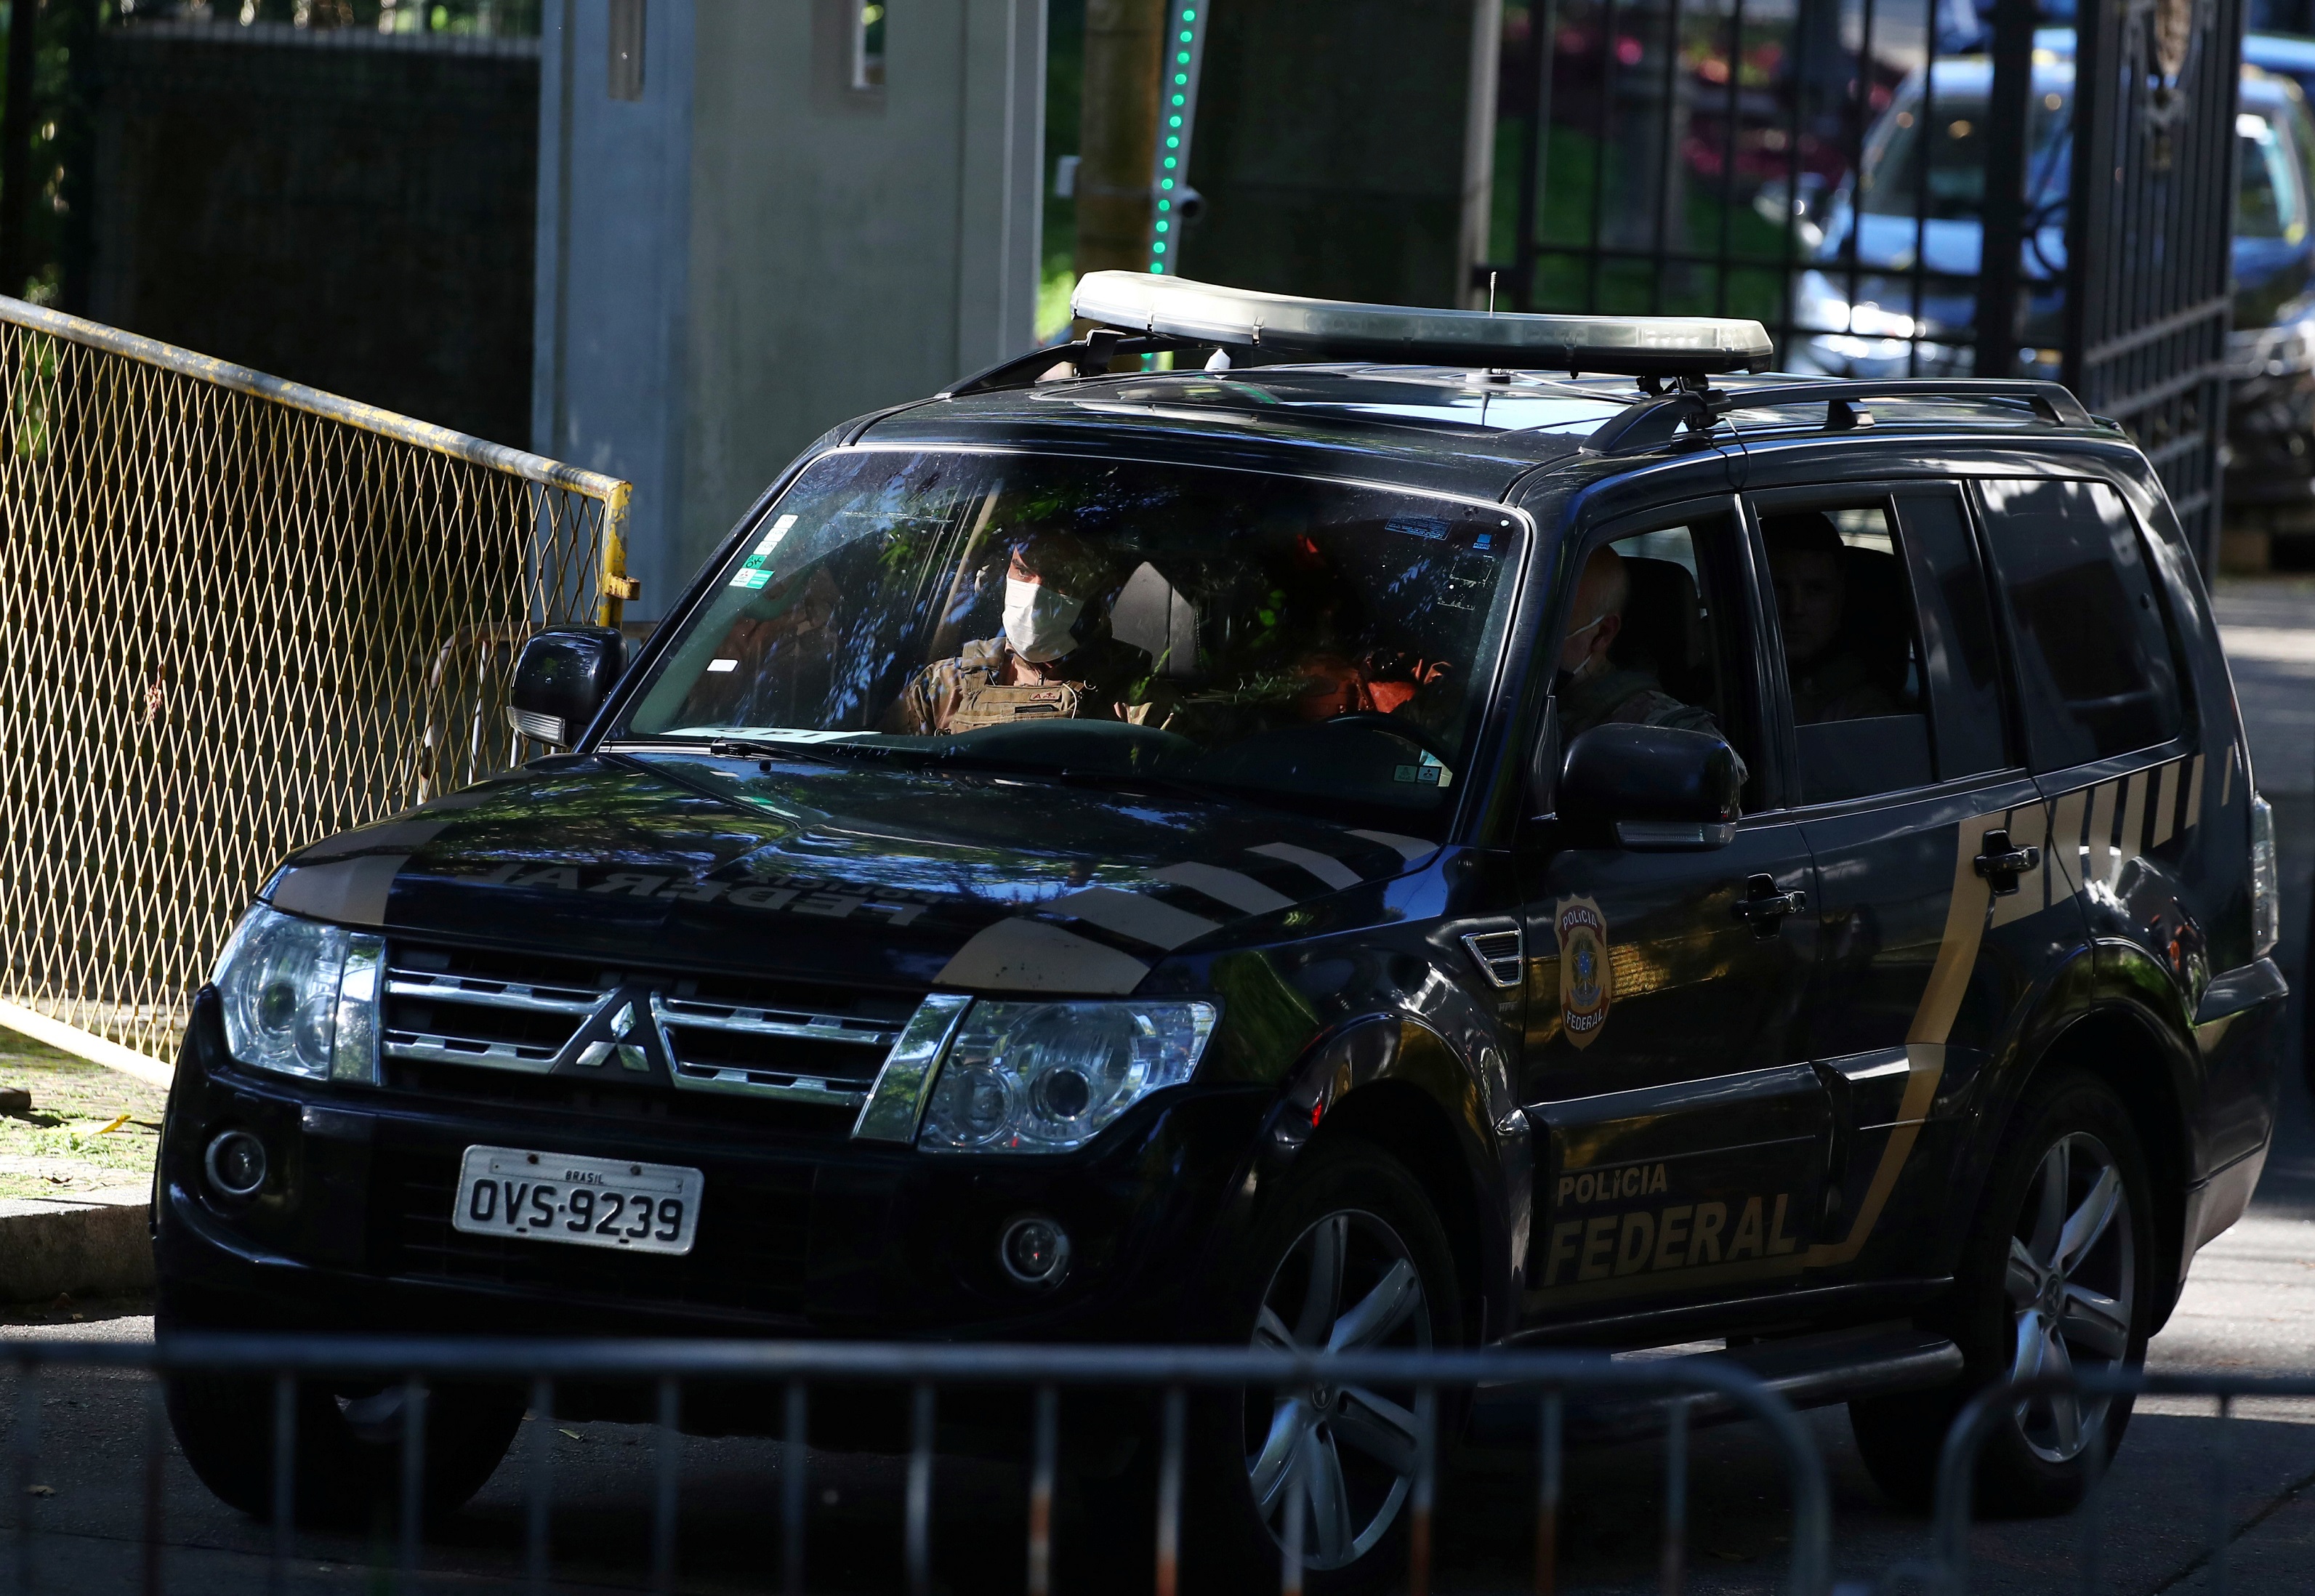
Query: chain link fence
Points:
[242, 614]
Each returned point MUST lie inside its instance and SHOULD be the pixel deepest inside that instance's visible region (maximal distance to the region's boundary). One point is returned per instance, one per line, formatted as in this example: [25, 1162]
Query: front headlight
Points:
[1048, 1077]
[300, 996]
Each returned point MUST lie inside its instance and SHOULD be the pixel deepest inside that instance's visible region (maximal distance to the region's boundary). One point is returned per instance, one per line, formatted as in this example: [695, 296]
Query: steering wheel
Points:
[1396, 726]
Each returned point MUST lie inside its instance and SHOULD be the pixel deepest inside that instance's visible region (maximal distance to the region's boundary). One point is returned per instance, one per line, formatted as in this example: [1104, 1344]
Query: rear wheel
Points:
[2053, 1281]
[348, 1468]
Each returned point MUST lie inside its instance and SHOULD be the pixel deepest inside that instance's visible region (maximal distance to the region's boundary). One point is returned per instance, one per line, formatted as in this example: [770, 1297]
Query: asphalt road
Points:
[2249, 1306]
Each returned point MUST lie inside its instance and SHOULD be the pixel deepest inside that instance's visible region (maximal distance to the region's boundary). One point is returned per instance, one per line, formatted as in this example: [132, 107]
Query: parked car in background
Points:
[2270, 455]
[1868, 316]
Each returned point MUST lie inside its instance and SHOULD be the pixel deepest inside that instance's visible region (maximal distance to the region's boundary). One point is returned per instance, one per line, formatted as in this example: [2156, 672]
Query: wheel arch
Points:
[2117, 1041]
[1395, 1085]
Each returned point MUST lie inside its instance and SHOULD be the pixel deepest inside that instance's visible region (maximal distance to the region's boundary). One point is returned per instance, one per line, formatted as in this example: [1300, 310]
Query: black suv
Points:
[1406, 848]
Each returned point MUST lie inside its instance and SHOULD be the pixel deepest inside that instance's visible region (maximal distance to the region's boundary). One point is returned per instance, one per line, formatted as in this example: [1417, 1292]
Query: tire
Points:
[2056, 1275]
[348, 1470]
[2306, 1031]
[1355, 1214]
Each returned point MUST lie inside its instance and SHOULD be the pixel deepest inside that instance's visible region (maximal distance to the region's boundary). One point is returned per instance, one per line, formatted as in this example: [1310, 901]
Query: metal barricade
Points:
[1946, 1571]
[793, 1369]
[243, 614]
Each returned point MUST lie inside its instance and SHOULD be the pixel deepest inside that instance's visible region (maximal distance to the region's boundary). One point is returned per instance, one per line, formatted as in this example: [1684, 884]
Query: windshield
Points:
[2267, 201]
[1319, 644]
[1957, 138]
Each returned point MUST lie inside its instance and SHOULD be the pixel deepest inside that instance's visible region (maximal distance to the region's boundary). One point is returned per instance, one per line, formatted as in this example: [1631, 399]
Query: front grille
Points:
[749, 1254]
[462, 1006]
[816, 1045]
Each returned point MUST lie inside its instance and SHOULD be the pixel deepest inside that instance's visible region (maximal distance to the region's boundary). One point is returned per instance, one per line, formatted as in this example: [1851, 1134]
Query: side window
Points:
[1649, 637]
[2094, 662]
[1852, 658]
[1955, 616]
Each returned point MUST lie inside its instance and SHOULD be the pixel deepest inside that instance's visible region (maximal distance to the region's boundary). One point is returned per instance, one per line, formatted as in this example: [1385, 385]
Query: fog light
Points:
[235, 1163]
[1035, 1251]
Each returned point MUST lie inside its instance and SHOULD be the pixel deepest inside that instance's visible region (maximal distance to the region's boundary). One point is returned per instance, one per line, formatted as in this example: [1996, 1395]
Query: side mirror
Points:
[1654, 789]
[562, 679]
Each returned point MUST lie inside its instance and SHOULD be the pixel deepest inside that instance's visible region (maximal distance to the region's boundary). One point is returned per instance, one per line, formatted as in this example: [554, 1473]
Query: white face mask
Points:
[1037, 620]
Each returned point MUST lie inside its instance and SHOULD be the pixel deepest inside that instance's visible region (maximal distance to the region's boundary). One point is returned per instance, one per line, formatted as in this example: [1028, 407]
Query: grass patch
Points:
[60, 1145]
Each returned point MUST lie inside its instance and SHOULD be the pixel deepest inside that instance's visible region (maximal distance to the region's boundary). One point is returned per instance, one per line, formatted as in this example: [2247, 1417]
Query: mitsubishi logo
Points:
[624, 1035]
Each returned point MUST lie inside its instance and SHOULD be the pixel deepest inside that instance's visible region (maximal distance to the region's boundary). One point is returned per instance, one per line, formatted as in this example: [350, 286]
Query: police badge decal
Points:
[1586, 982]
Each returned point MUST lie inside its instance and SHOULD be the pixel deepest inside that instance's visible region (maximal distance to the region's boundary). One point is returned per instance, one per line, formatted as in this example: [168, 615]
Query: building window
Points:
[869, 44]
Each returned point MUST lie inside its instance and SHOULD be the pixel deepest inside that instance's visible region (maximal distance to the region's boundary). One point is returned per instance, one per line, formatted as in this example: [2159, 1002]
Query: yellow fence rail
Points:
[240, 615]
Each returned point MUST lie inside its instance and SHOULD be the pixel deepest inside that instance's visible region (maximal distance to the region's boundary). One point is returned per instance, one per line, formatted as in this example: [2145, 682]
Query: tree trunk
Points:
[1117, 140]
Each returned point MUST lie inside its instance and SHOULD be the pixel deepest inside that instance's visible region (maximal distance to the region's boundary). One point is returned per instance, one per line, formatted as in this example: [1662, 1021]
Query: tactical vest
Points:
[988, 704]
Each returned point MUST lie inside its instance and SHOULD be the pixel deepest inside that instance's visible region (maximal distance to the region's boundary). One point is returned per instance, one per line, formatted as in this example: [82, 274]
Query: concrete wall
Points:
[348, 209]
[607, 387]
[838, 249]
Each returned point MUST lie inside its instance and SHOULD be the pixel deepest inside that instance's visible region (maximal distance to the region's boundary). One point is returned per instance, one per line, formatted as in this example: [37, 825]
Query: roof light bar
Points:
[1337, 330]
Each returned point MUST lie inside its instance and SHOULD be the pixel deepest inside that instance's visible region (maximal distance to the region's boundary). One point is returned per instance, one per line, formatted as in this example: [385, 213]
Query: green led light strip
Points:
[1177, 109]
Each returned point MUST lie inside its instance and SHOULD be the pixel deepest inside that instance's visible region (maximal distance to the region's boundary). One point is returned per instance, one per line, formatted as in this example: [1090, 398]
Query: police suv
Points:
[1409, 828]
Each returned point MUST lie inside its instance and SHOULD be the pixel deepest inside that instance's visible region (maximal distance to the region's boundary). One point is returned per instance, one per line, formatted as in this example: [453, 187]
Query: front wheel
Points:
[2055, 1280]
[348, 1466]
[1353, 1259]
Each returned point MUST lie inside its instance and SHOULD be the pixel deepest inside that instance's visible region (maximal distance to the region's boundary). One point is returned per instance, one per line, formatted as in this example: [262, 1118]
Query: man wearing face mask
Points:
[1593, 690]
[1053, 660]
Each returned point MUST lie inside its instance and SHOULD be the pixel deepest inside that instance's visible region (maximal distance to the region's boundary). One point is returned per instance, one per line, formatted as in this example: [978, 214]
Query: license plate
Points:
[603, 1202]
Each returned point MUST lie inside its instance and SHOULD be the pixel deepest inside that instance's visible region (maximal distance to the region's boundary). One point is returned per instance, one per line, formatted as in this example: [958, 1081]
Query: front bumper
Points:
[802, 1232]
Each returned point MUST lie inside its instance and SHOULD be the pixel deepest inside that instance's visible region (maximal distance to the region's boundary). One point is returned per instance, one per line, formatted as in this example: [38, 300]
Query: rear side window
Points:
[1851, 657]
[2094, 661]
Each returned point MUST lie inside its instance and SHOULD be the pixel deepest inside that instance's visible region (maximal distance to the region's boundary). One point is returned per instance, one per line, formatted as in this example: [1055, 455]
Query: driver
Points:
[1055, 658]
[1594, 691]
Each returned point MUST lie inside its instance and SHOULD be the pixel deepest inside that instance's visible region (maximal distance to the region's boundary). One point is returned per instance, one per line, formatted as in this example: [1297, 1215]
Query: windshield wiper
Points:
[722, 748]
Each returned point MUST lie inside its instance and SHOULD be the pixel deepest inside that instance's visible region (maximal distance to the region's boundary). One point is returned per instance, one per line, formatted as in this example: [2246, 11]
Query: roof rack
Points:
[1283, 325]
[1088, 356]
[1658, 419]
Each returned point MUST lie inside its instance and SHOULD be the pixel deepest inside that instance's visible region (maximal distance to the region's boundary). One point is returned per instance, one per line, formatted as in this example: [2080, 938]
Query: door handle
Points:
[1764, 906]
[2002, 865]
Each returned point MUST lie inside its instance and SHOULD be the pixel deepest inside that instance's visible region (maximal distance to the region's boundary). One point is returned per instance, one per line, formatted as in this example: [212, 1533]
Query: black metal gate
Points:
[1896, 188]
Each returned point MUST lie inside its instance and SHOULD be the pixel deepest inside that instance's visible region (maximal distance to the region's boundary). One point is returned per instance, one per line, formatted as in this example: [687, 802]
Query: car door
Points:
[2131, 779]
[1929, 836]
[1662, 1066]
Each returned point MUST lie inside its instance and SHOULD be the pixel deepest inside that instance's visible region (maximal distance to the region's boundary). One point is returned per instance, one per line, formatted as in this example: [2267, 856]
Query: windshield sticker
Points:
[756, 570]
[717, 667]
[1426, 527]
[1585, 981]
[1428, 771]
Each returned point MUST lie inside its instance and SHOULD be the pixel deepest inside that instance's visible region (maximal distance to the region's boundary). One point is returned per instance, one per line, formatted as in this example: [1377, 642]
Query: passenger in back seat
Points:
[1830, 680]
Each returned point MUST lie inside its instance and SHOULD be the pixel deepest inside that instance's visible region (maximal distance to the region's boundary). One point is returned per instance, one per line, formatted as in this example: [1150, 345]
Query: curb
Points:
[94, 1244]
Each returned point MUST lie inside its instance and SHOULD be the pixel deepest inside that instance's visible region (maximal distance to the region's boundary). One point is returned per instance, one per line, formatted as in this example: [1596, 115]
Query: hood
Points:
[852, 874]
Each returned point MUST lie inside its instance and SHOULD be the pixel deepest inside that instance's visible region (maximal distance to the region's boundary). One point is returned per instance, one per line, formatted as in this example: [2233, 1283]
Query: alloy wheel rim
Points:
[2072, 1284]
[1348, 1283]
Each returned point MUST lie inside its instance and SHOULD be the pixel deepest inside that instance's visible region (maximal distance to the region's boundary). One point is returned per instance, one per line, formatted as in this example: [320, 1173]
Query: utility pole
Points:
[16, 150]
[1118, 133]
